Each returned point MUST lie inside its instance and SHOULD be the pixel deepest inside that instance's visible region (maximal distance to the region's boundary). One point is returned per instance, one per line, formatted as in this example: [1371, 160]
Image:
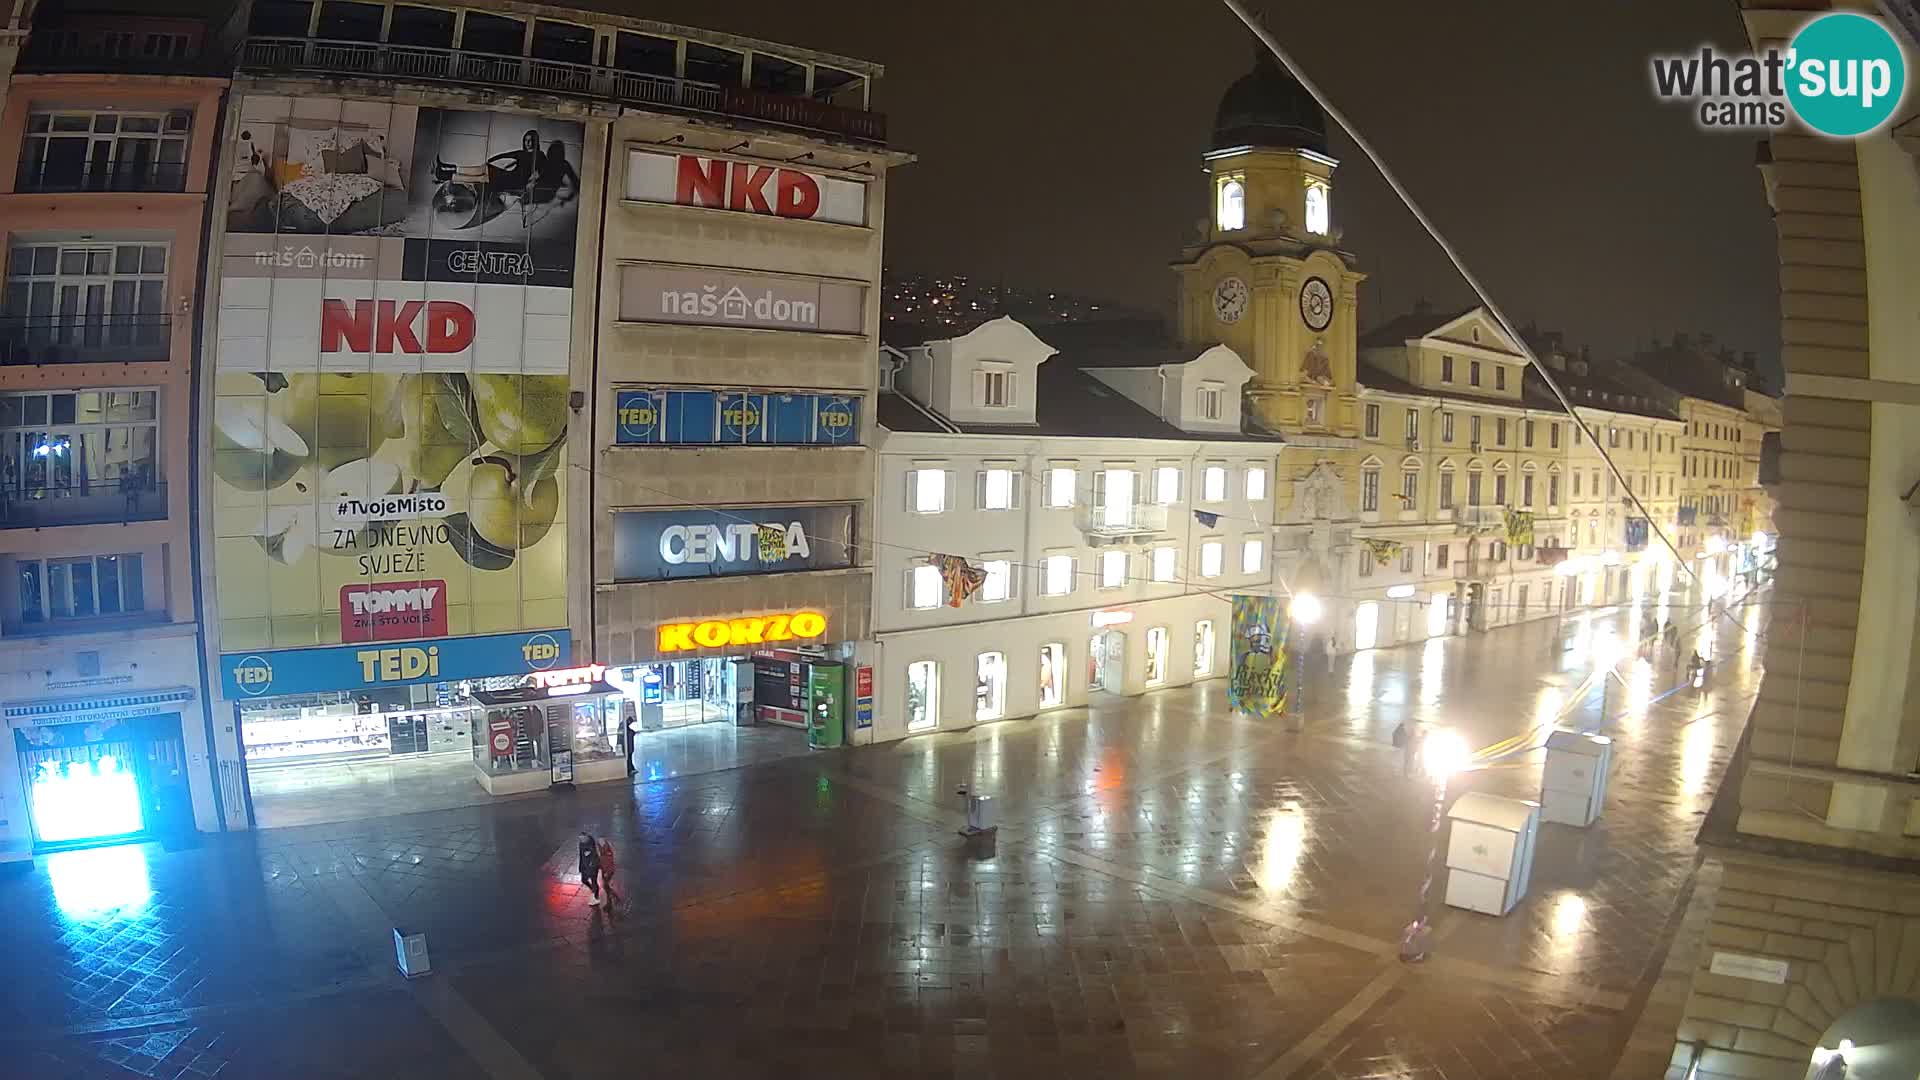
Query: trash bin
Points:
[410, 952]
[1573, 786]
[1490, 852]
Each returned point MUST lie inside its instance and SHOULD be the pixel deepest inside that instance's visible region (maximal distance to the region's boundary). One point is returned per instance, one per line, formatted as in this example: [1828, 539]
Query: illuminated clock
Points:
[1316, 304]
[1230, 299]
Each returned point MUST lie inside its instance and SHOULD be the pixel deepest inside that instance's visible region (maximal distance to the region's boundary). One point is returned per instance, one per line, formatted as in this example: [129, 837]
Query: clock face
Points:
[1229, 300]
[1316, 304]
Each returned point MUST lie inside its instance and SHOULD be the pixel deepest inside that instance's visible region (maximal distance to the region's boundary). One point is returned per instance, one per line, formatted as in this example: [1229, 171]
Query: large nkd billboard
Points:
[390, 418]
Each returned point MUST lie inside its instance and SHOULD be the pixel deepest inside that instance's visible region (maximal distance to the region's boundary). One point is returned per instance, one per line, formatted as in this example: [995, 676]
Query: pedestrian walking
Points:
[1408, 737]
[609, 886]
[590, 866]
[1326, 645]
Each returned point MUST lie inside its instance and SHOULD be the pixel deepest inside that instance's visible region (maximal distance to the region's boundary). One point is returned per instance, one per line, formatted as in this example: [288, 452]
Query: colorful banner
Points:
[390, 418]
[1258, 653]
[1519, 527]
[1636, 533]
[1383, 551]
[960, 578]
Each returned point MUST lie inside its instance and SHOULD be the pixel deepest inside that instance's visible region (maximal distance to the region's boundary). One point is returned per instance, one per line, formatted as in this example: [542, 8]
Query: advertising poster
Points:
[1258, 652]
[658, 545]
[390, 420]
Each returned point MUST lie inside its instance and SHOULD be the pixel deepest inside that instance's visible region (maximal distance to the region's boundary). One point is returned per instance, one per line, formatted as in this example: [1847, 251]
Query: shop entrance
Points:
[687, 692]
[1107, 661]
[101, 783]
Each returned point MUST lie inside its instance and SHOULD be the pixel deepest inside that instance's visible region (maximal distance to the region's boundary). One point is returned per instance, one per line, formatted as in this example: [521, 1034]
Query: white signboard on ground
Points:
[1757, 968]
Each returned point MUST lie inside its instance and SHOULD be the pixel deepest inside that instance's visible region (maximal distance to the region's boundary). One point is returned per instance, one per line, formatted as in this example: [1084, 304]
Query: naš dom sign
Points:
[752, 630]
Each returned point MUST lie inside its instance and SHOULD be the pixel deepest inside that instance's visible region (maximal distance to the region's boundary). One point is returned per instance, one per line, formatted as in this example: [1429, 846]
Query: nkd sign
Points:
[744, 187]
[701, 296]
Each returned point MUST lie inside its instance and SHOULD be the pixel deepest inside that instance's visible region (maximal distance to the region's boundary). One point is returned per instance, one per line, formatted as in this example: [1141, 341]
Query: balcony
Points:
[82, 339]
[1479, 518]
[104, 503]
[37, 177]
[414, 62]
[1116, 524]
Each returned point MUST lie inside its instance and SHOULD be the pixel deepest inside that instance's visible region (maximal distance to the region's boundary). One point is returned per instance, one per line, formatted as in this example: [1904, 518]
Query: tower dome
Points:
[1267, 108]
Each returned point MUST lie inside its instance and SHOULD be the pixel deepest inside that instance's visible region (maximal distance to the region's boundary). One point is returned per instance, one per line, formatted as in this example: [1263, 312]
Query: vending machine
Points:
[826, 704]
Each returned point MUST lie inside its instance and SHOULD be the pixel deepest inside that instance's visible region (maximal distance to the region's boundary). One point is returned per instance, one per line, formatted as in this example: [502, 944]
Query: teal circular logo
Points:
[1845, 74]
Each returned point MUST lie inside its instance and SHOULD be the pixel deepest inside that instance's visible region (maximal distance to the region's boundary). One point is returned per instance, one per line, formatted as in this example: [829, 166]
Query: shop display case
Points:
[531, 737]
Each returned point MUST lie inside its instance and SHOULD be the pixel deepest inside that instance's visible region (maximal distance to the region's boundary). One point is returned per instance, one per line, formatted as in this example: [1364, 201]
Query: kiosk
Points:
[533, 737]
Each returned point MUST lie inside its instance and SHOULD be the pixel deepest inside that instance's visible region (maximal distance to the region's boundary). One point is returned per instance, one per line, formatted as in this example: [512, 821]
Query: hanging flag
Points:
[1636, 533]
[961, 578]
[1382, 551]
[1689, 516]
[1207, 519]
[1519, 527]
[773, 544]
[1258, 653]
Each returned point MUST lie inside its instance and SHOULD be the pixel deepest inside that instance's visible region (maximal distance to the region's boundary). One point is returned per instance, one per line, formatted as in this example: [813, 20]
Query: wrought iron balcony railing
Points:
[61, 176]
[108, 502]
[85, 339]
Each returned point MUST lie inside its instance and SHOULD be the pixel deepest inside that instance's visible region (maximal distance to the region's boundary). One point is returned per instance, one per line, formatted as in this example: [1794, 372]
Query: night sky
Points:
[1059, 146]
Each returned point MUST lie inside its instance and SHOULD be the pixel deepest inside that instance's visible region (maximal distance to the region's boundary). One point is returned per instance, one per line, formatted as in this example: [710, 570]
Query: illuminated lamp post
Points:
[1304, 610]
[1442, 754]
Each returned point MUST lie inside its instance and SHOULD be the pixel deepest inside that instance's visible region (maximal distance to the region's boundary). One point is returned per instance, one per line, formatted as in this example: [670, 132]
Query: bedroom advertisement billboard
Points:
[390, 415]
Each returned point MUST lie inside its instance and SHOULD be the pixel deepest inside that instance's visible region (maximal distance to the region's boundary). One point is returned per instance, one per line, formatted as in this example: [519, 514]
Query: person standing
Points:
[1326, 646]
[609, 887]
[590, 866]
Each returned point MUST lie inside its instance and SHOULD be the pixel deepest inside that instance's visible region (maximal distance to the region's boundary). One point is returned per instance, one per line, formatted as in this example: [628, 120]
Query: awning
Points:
[96, 708]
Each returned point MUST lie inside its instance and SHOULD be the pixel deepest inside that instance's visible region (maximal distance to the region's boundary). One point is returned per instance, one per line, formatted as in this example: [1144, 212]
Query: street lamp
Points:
[1443, 753]
[1304, 609]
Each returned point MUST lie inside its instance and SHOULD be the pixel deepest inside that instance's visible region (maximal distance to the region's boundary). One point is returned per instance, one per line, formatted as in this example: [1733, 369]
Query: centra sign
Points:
[753, 630]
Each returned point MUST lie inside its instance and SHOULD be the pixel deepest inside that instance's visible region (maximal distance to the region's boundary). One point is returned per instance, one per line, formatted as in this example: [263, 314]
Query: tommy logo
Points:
[393, 611]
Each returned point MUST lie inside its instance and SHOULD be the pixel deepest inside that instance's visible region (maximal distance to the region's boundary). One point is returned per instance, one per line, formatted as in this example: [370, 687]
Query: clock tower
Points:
[1267, 277]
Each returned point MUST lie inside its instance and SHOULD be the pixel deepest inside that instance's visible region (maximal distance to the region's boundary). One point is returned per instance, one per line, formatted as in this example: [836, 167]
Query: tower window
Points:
[1317, 217]
[1233, 206]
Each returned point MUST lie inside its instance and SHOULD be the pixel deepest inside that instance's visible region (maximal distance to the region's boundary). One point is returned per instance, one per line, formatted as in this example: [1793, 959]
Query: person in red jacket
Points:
[609, 887]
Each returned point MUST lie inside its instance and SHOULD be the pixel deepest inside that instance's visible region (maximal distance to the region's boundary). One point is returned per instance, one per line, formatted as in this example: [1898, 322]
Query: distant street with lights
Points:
[1174, 891]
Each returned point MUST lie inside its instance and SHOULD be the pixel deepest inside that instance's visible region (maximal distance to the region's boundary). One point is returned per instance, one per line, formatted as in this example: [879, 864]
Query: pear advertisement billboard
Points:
[389, 428]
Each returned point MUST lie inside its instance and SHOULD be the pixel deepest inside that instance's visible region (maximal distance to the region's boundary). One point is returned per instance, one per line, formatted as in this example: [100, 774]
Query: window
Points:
[78, 443]
[1526, 491]
[1406, 560]
[1499, 377]
[924, 588]
[1613, 438]
[1060, 484]
[1212, 554]
[1413, 426]
[998, 489]
[1553, 490]
[776, 75]
[1441, 553]
[1253, 555]
[1446, 489]
[1316, 410]
[1500, 431]
[1213, 484]
[1373, 421]
[1553, 436]
[1164, 559]
[1256, 483]
[1232, 213]
[56, 590]
[90, 296]
[1473, 431]
[1446, 427]
[927, 490]
[1366, 563]
[1613, 485]
[1576, 483]
[280, 18]
[1317, 216]
[1410, 489]
[1473, 487]
[1057, 575]
[1499, 489]
[1369, 490]
[1208, 400]
[705, 63]
[108, 150]
[1113, 569]
[993, 387]
[1526, 433]
[1166, 485]
[1202, 648]
[1446, 369]
[1578, 438]
[923, 695]
[422, 26]
[1473, 373]
[989, 685]
[1053, 674]
[999, 583]
[568, 43]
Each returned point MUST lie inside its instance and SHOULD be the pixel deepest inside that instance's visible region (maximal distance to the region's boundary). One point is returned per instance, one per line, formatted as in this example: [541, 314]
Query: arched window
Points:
[1233, 206]
[1317, 217]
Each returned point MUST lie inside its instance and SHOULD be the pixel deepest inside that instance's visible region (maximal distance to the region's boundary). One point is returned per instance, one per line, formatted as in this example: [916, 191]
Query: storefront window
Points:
[1156, 655]
[923, 695]
[1053, 674]
[596, 729]
[1202, 648]
[514, 738]
[990, 688]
